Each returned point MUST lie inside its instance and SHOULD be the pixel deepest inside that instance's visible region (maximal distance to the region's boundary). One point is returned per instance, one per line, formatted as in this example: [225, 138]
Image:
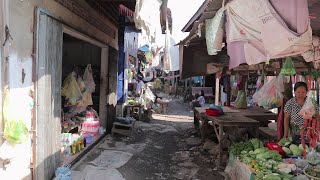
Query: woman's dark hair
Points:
[300, 84]
[202, 93]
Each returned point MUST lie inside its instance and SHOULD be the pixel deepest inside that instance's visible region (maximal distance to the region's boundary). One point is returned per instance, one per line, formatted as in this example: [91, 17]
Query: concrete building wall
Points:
[19, 65]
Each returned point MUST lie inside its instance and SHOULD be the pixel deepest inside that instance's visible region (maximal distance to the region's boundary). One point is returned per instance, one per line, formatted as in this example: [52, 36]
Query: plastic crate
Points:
[212, 112]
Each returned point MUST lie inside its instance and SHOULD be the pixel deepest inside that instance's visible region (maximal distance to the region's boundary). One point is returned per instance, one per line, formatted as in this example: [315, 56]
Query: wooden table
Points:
[233, 118]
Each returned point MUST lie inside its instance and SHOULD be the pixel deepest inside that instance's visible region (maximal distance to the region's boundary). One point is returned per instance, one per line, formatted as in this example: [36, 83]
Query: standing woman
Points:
[292, 119]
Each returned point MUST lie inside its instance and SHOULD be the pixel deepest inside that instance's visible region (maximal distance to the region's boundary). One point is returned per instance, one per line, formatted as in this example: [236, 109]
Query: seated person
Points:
[140, 87]
[199, 101]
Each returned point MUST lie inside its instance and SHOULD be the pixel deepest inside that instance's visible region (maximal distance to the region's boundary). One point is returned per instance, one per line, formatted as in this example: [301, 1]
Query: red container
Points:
[276, 147]
[212, 112]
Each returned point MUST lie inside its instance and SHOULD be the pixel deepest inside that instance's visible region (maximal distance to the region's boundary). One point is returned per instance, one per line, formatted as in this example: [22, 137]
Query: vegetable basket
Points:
[309, 176]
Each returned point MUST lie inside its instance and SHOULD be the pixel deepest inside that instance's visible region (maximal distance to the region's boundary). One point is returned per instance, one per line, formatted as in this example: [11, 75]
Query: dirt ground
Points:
[165, 148]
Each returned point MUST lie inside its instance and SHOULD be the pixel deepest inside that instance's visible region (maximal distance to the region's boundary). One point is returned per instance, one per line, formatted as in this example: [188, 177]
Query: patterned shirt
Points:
[293, 108]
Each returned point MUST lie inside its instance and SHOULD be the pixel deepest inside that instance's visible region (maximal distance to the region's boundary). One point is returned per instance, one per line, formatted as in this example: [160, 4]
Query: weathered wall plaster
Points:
[21, 25]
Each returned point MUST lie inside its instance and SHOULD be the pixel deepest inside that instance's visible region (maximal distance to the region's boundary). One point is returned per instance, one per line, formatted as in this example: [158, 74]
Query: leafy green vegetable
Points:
[301, 147]
[287, 151]
[273, 177]
[285, 175]
[296, 151]
[256, 143]
[260, 150]
[285, 142]
[293, 146]
[237, 148]
[270, 155]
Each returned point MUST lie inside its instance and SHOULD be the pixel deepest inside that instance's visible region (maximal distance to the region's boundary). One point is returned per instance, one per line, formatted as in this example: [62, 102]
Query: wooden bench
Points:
[208, 92]
[123, 129]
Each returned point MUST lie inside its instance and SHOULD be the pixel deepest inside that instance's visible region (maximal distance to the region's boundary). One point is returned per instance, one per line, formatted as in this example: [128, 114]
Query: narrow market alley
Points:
[165, 148]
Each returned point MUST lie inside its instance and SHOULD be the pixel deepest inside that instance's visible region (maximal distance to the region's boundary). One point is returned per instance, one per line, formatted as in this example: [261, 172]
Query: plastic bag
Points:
[70, 89]
[149, 95]
[16, 131]
[15, 128]
[63, 173]
[88, 79]
[270, 95]
[241, 101]
[288, 68]
[259, 83]
[313, 158]
[81, 85]
[157, 84]
[308, 110]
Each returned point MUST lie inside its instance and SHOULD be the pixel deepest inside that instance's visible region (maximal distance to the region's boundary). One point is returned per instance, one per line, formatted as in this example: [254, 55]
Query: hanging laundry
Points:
[171, 57]
[147, 13]
[214, 32]
[294, 13]
[255, 22]
[313, 54]
[236, 53]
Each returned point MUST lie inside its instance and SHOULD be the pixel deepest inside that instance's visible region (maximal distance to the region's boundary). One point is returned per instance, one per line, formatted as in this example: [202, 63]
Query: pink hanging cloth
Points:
[280, 124]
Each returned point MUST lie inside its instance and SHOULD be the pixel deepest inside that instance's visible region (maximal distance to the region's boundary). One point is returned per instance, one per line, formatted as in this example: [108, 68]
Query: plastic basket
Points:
[212, 112]
[309, 176]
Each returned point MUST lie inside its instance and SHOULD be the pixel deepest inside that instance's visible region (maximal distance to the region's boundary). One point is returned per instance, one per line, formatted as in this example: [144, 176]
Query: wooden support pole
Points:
[317, 86]
[217, 94]
[228, 90]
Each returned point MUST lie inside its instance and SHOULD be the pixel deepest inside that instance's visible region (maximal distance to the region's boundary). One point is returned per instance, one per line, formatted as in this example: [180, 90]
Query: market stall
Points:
[230, 118]
[253, 159]
[81, 125]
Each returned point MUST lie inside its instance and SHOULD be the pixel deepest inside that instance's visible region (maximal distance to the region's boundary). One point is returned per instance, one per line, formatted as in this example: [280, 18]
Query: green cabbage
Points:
[284, 142]
[287, 151]
[301, 147]
[293, 146]
[297, 152]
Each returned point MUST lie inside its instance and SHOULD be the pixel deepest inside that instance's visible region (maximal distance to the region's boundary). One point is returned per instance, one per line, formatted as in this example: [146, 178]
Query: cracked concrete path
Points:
[165, 148]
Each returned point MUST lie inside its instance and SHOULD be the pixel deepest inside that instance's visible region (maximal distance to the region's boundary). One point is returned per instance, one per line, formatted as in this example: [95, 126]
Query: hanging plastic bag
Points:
[308, 110]
[157, 84]
[288, 68]
[241, 101]
[149, 95]
[70, 89]
[15, 128]
[88, 79]
[270, 95]
[259, 82]
[81, 84]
